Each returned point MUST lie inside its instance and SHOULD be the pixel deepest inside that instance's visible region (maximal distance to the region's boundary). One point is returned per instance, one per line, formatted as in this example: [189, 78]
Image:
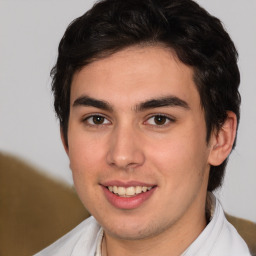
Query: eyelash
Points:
[167, 120]
[86, 120]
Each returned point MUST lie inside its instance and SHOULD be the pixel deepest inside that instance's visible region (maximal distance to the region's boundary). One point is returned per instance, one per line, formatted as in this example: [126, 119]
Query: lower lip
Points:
[128, 203]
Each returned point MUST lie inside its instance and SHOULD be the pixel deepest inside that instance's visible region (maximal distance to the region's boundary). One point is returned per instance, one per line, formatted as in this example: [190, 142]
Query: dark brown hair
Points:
[199, 40]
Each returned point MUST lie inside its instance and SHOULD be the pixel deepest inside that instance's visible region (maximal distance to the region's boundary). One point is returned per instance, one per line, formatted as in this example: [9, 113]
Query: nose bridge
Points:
[125, 150]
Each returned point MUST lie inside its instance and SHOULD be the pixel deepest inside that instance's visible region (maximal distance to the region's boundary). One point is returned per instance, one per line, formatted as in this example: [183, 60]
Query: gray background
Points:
[30, 31]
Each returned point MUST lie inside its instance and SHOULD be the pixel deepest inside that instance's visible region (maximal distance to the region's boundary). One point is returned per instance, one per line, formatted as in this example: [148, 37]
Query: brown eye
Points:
[98, 119]
[160, 120]
[95, 120]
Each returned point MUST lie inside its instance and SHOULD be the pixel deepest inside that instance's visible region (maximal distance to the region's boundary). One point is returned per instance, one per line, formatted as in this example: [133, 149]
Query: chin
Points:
[133, 231]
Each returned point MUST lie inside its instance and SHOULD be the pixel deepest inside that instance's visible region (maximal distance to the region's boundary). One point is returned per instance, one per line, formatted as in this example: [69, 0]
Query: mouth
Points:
[129, 191]
[128, 195]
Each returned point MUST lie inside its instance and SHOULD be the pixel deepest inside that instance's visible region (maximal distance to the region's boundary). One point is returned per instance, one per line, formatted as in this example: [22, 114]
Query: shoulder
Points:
[82, 239]
[226, 240]
[229, 242]
[219, 238]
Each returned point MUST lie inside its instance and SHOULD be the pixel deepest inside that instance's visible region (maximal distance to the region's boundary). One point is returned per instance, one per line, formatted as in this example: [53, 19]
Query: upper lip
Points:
[126, 184]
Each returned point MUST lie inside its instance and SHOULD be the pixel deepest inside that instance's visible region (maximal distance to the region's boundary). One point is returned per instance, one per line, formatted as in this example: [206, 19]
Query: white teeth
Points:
[144, 189]
[128, 192]
[138, 190]
[115, 189]
[121, 191]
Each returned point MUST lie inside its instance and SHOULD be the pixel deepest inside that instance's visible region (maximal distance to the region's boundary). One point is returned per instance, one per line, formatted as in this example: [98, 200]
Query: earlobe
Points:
[223, 140]
[63, 140]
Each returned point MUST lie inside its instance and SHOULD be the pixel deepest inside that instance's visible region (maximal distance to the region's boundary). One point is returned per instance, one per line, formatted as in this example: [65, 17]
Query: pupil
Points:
[160, 120]
[98, 119]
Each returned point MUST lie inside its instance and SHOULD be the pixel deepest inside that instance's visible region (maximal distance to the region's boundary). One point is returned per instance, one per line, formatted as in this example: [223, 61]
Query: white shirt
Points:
[219, 238]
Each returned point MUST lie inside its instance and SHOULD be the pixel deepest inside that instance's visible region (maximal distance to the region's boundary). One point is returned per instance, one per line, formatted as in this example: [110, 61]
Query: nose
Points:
[125, 149]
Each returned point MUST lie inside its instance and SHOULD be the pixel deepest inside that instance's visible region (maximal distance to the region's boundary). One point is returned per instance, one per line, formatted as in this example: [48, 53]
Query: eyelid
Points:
[91, 115]
[170, 119]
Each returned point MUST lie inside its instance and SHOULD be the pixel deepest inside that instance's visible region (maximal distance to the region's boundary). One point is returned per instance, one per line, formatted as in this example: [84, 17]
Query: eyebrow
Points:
[169, 101]
[91, 102]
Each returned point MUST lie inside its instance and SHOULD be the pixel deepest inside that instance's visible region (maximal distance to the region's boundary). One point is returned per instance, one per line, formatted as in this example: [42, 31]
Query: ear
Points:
[222, 141]
[63, 140]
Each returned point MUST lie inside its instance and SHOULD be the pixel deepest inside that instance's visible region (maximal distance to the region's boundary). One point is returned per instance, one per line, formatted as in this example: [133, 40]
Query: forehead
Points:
[136, 74]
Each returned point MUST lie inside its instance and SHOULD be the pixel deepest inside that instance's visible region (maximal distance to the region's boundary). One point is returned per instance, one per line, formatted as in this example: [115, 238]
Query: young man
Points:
[146, 92]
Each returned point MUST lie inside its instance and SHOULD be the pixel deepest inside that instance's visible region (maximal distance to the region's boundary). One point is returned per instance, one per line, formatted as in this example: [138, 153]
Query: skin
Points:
[126, 144]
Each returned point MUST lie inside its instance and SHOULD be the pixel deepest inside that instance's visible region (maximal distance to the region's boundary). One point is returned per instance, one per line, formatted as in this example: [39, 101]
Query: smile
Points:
[129, 191]
[128, 195]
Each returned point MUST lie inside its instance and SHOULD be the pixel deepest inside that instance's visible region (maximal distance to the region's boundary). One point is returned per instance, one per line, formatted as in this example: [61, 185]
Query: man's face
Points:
[136, 126]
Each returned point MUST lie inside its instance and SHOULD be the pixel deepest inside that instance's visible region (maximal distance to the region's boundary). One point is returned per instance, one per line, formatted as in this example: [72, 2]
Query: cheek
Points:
[86, 164]
[85, 153]
[182, 171]
[180, 158]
